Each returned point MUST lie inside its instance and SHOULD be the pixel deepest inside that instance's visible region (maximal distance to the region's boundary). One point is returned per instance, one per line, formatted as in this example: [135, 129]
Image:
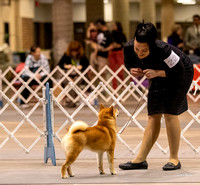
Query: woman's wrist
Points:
[160, 73]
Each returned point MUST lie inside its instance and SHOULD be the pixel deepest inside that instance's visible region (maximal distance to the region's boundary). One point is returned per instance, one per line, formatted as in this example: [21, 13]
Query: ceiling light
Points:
[186, 1]
[106, 1]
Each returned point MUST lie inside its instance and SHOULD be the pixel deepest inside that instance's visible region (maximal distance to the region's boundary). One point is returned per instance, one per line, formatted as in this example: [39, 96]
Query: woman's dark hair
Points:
[33, 49]
[100, 21]
[196, 16]
[146, 32]
[119, 26]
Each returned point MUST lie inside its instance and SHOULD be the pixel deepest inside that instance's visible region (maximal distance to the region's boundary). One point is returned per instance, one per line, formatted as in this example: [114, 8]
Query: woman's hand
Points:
[151, 73]
[38, 76]
[136, 72]
[67, 66]
[180, 45]
[100, 48]
[79, 67]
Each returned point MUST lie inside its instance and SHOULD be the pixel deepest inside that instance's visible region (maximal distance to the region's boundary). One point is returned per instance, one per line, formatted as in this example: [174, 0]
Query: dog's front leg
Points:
[110, 155]
[100, 162]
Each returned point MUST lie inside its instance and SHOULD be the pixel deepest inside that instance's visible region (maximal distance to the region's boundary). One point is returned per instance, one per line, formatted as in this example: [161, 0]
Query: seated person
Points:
[74, 56]
[33, 62]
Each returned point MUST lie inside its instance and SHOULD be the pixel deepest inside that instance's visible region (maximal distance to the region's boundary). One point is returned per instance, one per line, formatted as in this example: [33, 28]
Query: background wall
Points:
[79, 12]
[185, 13]
[27, 9]
[182, 12]
[42, 13]
[41, 17]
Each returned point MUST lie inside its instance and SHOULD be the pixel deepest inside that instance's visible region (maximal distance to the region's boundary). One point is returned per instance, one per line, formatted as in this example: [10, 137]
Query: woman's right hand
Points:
[67, 66]
[136, 72]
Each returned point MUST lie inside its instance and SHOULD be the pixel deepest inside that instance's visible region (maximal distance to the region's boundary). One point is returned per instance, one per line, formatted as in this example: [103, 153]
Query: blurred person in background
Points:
[116, 56]
[32, 63]
[192, 36]
[74, 56]
[104, 40]
[176, 37]
[92, 41]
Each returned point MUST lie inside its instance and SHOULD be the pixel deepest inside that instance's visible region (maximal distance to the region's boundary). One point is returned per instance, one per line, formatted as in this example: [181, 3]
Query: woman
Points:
[92, 41]
[74, 56]
[33, 62]
[175, 38]
[116, 57]
[170, 73]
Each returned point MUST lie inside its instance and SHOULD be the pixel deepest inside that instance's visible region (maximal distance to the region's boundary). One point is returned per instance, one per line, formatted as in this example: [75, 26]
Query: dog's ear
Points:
[101, 106]
[112, 110]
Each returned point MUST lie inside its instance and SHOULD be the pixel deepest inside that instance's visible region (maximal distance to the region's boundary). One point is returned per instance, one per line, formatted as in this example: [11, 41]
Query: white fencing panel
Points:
[86, 91]
[116, 100]
[25, 119]
[10, 79]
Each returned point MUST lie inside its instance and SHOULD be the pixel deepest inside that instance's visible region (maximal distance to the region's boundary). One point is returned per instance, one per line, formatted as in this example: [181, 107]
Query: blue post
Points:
[1, 100]
[49, 150]
[1, 103]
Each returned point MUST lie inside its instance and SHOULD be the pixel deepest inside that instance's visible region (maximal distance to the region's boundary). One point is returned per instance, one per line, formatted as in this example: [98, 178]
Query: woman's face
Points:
[114, 27]
[74, 53]
[179, 31]
[141, 49]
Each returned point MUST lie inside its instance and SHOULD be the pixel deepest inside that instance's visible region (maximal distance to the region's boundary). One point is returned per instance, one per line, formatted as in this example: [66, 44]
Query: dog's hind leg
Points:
[100, 162]
[69, 171]
[110, 155]
[64, 168]
[70, 158]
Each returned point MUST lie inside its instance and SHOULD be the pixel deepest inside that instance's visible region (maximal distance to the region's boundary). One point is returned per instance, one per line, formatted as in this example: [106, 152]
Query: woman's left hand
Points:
[151, 73]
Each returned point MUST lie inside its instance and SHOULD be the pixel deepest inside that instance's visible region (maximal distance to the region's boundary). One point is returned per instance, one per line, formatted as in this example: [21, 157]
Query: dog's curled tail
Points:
[76, 126]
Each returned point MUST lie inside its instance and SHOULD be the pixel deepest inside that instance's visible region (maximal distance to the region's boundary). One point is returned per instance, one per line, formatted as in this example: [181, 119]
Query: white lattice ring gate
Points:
[116, 101]
[25, 117]
[115, 96]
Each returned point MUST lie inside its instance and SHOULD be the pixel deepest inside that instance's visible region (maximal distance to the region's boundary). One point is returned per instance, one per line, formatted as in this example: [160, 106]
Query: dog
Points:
[99, 138]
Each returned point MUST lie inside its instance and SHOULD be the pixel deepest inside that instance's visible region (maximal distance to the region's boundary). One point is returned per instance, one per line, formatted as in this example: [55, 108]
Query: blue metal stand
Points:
[49, 150]
[1, 103]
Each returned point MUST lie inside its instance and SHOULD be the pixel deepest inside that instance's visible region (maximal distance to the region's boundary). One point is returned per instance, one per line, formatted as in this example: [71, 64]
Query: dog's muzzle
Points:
[116, 113]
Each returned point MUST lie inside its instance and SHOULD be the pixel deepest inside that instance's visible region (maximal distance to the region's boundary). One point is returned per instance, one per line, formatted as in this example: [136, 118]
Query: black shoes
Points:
[144, 165]
[134, 166]
[170, 166]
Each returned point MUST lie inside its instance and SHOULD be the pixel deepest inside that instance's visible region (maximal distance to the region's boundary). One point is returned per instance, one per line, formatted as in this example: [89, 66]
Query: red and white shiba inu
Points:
[99, 138]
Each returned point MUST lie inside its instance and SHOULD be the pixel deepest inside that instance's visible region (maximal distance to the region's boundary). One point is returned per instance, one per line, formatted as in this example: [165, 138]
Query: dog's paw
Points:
[64, 177]
[102, 173]
[72, 175]
[114, 173]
